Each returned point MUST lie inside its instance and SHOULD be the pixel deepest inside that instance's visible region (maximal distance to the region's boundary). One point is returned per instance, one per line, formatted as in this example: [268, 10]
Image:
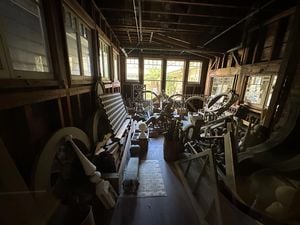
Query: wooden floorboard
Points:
[175, 209]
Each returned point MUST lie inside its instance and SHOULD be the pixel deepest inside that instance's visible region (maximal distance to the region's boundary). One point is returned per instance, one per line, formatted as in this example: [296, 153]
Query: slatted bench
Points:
[121, 127]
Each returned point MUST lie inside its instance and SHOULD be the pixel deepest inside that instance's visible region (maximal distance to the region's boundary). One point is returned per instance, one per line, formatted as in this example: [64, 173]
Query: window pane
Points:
[85, 36]
[195, 69]
[71, 33]
[132, 69]
[221, 85]
[116, 66]
[152, 75]
[174, 78]
[23, 29]
[271, 90]
[104, 59]
[256, 90]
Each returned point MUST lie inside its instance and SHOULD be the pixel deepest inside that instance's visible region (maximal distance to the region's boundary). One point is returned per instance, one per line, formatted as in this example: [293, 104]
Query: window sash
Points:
[220, 86]
[257, 89]
[79, 43]
[25, 41]
[197, 74]
[104, 57]
[133, 65]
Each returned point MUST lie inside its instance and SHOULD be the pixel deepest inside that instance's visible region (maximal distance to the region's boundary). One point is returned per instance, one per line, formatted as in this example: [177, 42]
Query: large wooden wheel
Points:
[194, 102]
[99, 126]
[177, 101]
[151, 100]
[228, 99]
[57, 157]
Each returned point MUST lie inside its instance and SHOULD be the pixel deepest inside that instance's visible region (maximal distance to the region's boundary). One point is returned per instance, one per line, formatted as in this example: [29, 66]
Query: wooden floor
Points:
[175, 209]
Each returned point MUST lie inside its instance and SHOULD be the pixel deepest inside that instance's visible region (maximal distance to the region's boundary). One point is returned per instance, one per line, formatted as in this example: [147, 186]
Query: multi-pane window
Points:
[85, 35]
[23, 32]
[174, 77]
[152, 74]
[257, 89]
[221, 85]
[132, 69]
[71, 34]
[195, 68]
[104, 60]
[78, 37]
[116, 65]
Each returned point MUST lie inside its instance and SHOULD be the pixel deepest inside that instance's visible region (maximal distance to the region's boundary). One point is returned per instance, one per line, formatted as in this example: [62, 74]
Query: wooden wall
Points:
[265, 51]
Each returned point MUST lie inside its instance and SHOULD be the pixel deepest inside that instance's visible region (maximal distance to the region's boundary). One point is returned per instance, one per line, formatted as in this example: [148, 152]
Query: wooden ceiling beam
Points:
[214, 5]
[117, 21]
[168, 41]
[155, 29]
[171, 13]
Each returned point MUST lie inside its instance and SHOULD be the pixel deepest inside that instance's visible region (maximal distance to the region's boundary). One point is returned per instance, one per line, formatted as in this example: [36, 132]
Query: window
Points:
[132, 69]
[152, 75]
[256, 90]
[23, 32]
[116, 65]
[85, 35]
[195, 69]
[78, 37]
[104, 60]
[174, 77]
[221, 85]
[271, 89]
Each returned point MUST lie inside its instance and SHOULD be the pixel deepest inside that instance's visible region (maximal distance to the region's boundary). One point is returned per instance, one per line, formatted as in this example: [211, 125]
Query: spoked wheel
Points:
[151, 100]
[194, 103]
[177, 101]
[228, 99]
[59, 173]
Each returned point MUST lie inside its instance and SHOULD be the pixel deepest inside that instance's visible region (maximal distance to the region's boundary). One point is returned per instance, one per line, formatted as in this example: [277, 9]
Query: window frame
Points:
[138, 78]
[102, 39]
[262, 105]
[80, 21]
[8, 72]
[117, 54]
[199, 75]
[229, 76]
[161, 73]
[183, 76]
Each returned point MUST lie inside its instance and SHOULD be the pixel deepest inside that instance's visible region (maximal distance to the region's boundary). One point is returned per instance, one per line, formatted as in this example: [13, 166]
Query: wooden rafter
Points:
[171, 13]
[214, 5]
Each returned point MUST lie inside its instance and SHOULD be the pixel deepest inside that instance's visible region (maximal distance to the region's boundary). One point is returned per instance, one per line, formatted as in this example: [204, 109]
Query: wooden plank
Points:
[61, 113]
[11, 100]
[17, 204]
[287, 69]
[225, 71]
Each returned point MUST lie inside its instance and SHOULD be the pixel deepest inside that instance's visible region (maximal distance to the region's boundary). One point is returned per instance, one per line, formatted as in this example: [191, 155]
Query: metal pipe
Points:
[240, 21]
[175, 49]
[136, 21]
[151, 36]
[140, 20]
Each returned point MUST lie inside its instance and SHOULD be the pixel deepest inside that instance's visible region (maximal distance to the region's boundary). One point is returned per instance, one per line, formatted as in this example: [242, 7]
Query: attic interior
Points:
[149, 112]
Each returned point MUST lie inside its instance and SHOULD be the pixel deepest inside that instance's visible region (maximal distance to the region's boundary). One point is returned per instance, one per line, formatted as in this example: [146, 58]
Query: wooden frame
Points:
[213, 176]
[138, 79]
[108, 77]
[80, 22]
[199, 76]
[5, 59]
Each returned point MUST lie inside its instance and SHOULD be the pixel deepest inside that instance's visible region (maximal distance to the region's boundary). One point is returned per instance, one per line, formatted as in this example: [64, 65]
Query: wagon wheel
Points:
[58, 170]
[228, 99]
[151, 99]
[177, 101]
[98, 126]
[195, 102]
